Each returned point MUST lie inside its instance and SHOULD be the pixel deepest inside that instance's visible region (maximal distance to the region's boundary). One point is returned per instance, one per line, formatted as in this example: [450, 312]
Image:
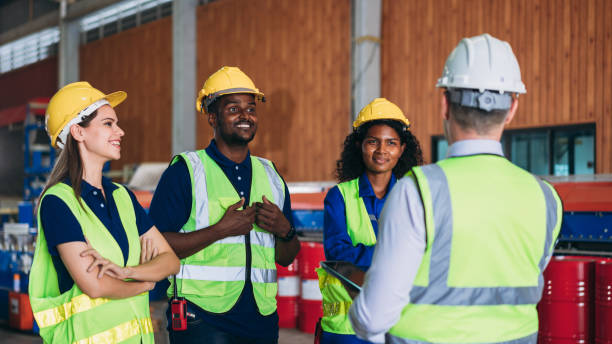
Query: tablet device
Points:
[346, 272]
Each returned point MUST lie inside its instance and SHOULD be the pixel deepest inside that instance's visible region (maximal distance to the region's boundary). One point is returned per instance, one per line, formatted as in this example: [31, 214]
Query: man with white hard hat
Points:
[463, 242]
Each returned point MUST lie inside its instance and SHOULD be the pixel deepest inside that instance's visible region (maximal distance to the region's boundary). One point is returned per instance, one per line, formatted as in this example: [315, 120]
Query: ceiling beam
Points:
[51, 19]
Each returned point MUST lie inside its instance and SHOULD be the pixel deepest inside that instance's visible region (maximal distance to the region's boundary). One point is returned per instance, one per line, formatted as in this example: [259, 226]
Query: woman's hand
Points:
[147, 250]
[106, 266]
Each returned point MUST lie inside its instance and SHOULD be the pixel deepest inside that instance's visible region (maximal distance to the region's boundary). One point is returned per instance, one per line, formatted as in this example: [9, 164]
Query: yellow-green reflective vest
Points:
[491, 228]
[72, 316]
[214, 277]
[336, 300]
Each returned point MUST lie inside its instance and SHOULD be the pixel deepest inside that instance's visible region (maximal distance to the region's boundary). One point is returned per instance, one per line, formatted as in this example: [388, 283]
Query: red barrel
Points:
[310, 304]
[603, 302]
[565, 311]
[288, 294]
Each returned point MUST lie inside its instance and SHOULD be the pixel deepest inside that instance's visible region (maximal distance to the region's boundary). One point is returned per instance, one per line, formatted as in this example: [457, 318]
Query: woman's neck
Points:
[92, 173]
[379, 182]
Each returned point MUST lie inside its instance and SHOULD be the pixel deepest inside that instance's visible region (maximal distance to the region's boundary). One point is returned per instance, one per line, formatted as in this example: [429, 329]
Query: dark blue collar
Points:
[213, 151]
[87, 188]
[365, 187]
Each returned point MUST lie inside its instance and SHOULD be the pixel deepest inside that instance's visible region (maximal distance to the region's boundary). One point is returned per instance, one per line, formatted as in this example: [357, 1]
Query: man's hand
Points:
[237, 222]
[270, 218]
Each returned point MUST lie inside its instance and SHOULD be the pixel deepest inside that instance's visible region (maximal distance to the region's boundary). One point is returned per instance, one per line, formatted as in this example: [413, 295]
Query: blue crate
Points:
[4, 304]
[26, 213]
[308, 220]
[586, 227]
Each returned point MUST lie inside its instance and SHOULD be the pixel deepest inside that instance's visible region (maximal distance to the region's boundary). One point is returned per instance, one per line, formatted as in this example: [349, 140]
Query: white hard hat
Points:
[482, 63]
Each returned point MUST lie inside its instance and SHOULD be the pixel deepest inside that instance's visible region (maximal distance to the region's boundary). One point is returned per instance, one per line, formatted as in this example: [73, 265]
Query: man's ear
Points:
[212, 119]
[511, 112]
[443, 106]
[77, 132]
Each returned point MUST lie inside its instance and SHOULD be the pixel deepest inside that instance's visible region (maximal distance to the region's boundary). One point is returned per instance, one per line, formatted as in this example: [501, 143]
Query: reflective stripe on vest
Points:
[214, 277]
[438, 292]
[336, 300]
[120, 332]
[78, 304]
[74, 317]
[391, 339]
[226, 273]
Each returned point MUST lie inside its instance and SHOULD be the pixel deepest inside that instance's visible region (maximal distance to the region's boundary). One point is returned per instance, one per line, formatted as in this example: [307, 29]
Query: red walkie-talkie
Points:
[178, 309]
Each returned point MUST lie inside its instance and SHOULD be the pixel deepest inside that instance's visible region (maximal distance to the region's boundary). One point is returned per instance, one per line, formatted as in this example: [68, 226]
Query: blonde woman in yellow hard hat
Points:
[378, 151]
[97, 253]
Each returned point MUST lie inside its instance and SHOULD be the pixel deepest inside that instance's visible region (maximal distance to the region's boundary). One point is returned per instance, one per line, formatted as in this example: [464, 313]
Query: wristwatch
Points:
[289, 235]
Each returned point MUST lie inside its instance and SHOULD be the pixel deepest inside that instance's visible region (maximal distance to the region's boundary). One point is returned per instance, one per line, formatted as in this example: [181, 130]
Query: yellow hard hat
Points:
[73, 102]
[380, 108]
[227, 80]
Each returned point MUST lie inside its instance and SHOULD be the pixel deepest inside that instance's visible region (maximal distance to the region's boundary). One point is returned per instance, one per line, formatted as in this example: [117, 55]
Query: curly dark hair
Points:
[351, 166]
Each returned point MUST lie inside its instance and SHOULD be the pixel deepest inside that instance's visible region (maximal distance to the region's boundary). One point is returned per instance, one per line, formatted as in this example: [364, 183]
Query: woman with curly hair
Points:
[378, 151]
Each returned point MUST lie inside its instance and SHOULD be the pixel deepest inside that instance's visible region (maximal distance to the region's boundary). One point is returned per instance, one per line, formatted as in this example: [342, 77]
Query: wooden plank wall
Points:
[564, 48]
[138, 61]
[298, 54]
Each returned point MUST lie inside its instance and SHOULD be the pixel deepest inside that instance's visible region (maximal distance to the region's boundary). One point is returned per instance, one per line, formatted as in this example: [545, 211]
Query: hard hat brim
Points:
[116, 98]
[358, 123]
[258, 96]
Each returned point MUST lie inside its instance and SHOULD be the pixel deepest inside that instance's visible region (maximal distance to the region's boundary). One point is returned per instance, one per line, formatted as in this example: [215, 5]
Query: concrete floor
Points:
[158, 311]
[286, 336]
[8, 335]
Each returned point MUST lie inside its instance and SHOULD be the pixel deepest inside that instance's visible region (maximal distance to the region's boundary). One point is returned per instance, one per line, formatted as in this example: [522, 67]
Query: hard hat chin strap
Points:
[487, 100]
[63, 135]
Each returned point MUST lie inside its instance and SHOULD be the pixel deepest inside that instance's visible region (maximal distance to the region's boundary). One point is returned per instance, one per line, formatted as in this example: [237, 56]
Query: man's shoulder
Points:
[264, 160]
[186, 155]
[408, 181]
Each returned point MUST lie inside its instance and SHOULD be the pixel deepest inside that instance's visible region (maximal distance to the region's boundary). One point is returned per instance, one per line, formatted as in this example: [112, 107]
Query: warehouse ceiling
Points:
[15, 13]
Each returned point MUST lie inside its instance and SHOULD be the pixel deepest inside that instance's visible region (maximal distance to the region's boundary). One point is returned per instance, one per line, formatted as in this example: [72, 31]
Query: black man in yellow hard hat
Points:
[227, 215]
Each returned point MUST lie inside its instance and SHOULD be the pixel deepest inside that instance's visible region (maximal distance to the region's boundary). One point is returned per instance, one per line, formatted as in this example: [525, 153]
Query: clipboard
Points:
[343, 271]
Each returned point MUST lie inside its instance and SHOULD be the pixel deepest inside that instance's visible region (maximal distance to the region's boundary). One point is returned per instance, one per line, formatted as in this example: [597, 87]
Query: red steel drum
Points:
[310, 312]
[603, 302]
[288, 294]
[311, 254]
[310, 304]
[565, 311]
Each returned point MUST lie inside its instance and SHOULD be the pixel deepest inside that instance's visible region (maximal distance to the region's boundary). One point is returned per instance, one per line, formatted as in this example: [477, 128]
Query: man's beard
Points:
[233, 139]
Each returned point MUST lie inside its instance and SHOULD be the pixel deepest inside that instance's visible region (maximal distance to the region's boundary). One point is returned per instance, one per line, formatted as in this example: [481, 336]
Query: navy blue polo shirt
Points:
[170, 210]
[61, 226]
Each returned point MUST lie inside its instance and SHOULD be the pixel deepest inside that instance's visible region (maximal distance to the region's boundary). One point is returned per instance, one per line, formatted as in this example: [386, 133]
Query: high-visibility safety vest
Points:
[491, 228]
[72, 316]
[336, 300]
[213, 278]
